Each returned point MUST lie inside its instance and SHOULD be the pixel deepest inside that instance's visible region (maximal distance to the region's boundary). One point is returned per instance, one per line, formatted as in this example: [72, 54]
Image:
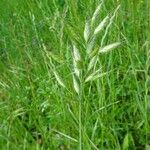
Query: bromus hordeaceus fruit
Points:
[91, 70]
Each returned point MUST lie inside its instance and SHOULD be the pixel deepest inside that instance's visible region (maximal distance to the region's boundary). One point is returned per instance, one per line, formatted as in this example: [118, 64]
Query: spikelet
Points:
[101, 26]
[109, 47]
[96, 13]
[95, 76]
[76, 60]
[90, 45]
[58, 79]
[92, 63]
[110, 23]
[75, 85]
[76, 54]
[86, 31]
[76, 69]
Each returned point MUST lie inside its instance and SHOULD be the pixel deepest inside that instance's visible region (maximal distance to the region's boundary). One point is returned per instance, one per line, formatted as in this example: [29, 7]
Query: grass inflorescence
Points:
[74, 74]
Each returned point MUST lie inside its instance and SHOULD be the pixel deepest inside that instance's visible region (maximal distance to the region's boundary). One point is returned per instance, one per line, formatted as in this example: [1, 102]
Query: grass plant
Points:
[74, 74]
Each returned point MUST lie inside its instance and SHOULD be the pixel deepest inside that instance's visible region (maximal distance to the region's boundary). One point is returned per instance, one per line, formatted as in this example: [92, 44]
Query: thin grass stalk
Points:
[80, 122]
[146, 91]
[80, 97]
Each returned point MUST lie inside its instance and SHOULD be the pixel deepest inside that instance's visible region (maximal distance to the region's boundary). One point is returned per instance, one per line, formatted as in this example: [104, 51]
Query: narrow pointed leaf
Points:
[126, 142]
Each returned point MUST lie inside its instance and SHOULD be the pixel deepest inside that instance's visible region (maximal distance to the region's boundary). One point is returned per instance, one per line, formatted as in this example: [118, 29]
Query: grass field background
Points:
[37, 113]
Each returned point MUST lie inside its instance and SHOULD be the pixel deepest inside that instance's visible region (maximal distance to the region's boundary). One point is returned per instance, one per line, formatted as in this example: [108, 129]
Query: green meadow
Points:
[74, 75]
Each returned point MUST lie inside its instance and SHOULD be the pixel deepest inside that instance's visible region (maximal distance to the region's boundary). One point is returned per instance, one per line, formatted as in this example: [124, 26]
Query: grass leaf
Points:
[126, 142]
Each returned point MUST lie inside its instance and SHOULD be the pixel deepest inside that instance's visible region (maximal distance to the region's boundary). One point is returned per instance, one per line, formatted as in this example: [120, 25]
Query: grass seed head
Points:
[76, 60]
[92, 63]
[76, 69]
[87, 31]
[96, 13]
[76, 85]
[58, 79]
[101, 26]
[109, 47]
[76, 54]
[90, 45]
[94, 76]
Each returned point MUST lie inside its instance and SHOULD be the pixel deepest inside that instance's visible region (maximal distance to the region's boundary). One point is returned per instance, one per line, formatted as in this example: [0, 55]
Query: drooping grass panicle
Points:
[109, 47]
[59, 80]
[110, 23]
